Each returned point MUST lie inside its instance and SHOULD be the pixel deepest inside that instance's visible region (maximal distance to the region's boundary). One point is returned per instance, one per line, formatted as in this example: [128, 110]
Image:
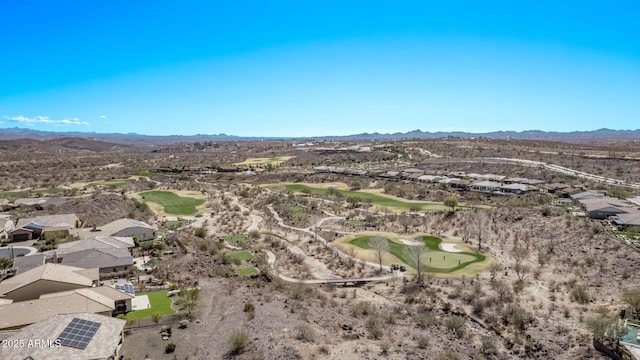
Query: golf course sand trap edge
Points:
[449, 247]
[411, 242]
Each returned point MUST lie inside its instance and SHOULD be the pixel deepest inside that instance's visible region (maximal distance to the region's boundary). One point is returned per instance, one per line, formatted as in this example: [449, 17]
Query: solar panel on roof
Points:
[78, 333]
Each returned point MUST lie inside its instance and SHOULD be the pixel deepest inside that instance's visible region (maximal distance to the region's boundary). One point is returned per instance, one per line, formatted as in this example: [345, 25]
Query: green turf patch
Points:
[366, 197]
[241, 255]
[353, 222]
[296, 211]
[160, 303]
[235, 238]
[13, 194]
[173, 204]
[147, 173]
[249, 270]
[627, 233]
[47, 191]
[109, 183]
[272, 161]
[434, 260]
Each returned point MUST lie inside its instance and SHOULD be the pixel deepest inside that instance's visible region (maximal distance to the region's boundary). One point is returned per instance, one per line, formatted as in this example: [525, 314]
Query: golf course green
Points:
[173, 203]
[434, 259]
[365, 197]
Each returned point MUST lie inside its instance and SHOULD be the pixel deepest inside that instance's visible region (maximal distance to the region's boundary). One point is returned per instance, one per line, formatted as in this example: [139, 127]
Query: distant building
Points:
[34, 228]
[604, 207]
[515, 188]
[486, 186]
[120, 228]
[626, 220]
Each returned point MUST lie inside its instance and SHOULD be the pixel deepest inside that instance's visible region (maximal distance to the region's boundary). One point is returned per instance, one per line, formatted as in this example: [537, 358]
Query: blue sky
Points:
[295, 68]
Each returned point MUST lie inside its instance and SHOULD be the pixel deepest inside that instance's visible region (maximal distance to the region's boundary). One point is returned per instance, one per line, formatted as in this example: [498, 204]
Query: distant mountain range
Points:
[151, 140]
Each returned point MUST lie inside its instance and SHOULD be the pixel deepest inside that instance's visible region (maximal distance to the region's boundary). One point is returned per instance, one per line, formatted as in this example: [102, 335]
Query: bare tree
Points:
[380, 246]
[466, 233]
[416, 256]
[352, 252]
[480, 219]
[519, 254]
[405, 221]
[494, 270]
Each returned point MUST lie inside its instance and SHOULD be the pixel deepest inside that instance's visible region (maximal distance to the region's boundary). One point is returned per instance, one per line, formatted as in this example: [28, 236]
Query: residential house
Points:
[120, 228]
[103, 300]
[624, 221]
[533, 182]
[587, 195]
[34, 228]
[555, 187]
[411, 173]
[390, 175]
[430, 179]
[106, 259]
[81, 336]
[486, 186]
[457, 174]
[46, 279]
[515, 180]
[454, 183]
[40, 203]
[604, 207]
[98, 242]
[494, 177]
[515, 188]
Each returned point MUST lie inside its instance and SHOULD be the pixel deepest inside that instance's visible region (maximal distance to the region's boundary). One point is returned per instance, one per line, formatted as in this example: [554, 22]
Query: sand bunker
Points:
[411, 242]
[449, 247]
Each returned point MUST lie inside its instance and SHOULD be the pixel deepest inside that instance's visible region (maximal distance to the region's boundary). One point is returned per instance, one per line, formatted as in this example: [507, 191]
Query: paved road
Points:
[569, 171]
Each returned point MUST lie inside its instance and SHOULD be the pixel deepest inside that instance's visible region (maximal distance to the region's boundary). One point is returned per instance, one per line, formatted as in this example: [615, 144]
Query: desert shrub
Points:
[238, 341]
[305, 332]
[456, 325]
[249, 307]
[297, 291]
[374, 327]
[201, 232]
[171, 347]
[425, 320]
[580, 294]
[389, 318]
[423, 341]
[362, 308]
[516, 316]
[203, 246]
[487, 345]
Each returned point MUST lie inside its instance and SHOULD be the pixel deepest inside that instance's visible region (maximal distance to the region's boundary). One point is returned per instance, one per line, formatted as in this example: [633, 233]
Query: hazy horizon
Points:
[300, 70]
